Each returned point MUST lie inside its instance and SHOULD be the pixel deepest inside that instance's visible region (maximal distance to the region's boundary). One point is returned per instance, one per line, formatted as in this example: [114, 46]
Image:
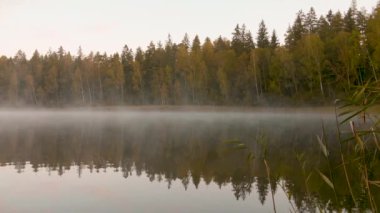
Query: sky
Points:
[108, 25]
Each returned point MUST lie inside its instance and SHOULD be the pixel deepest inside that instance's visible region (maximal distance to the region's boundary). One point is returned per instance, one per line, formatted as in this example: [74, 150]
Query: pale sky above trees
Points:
[108, 25]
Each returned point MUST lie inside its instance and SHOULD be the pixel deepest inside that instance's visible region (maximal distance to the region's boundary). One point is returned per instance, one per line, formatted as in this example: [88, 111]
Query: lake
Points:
[135, 160]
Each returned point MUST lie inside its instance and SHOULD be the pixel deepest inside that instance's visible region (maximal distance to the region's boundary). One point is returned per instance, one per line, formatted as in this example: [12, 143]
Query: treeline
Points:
[323, 58]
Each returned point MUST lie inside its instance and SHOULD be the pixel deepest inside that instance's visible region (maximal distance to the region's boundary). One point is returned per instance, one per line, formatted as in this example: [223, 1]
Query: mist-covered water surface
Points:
[159, 161]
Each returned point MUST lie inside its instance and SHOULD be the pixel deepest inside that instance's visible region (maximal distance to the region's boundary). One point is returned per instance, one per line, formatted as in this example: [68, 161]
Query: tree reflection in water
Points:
[189, 147]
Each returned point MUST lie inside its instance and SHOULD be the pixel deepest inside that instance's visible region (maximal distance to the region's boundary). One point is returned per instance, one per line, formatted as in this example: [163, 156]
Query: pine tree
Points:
[237, 42]
[274, 43]
[289, 38]
[324, 30]
[248, 42]
[196, 46]
[221, 44]
[349, 21]
[295, 32]
[262, 36]
[186, 41]
[298, 27]
[337, 23]
[311, 22]
[127, 61]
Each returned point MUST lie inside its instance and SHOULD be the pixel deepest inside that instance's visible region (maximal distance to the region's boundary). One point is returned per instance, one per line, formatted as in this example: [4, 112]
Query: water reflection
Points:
[168, 147]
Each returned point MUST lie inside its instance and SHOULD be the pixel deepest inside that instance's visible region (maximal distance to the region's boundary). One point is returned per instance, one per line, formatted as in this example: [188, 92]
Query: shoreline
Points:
[173, 108]
[185, 108]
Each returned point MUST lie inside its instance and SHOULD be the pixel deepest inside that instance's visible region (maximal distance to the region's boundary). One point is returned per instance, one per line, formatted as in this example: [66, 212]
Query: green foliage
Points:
[364, 136]
[262, 36]
[321, 60]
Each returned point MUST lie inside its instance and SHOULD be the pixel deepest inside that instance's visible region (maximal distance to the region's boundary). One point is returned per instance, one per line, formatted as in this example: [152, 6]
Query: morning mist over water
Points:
[237, 109]
[171, 158]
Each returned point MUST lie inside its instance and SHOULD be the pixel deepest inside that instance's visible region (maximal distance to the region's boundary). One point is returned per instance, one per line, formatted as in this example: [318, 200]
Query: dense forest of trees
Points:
[322, 58]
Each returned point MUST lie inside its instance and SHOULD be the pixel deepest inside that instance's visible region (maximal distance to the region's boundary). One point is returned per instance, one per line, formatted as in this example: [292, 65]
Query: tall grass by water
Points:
[348, 172]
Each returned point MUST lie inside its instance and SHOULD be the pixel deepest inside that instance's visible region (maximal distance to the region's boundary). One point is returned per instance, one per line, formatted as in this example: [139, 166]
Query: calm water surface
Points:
[147, 161]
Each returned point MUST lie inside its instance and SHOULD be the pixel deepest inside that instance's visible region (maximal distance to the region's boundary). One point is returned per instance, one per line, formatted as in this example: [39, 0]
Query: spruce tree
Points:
[311, 22]
[262, 36]
[237, 40]
[274, 43]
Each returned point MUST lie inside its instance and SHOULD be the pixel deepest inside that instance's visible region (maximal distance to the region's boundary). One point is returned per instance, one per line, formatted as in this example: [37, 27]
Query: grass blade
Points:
[323, 147]
[327, 180]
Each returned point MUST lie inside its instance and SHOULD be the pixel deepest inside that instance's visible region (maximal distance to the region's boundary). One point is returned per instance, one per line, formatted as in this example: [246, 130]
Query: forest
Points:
[323, 58]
